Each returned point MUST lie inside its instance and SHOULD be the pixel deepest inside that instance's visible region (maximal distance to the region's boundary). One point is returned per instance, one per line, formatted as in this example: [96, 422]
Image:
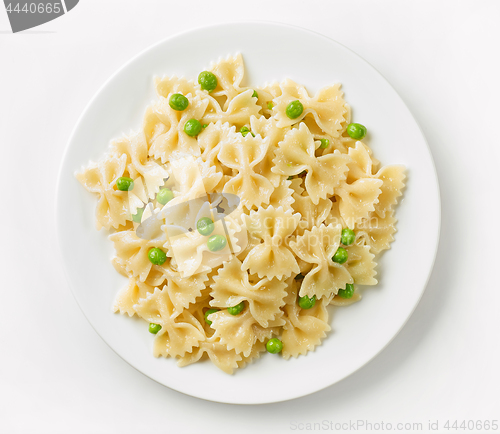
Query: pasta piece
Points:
[200, 306]
[272, 89]
[173, 140]
[192, 180]
[238, 112]
[335, 217]
[190, 193]
[184, 291]
[233, 285]
[257, 350]
[361, 265]
[334, 143]
[267, 129]
[136, 151]
[190, 248]
[209, 283]
[327, 107]
[130, 295]
[296, 185]
[296, 154]
[317, 247]
[339, 301]
[210, 141]
[267, 93]
[150, 226]
[178, 334]
[229, 73]
[251, 243]
[271, 258]
[377, 232]
[361, 165]
[152, 126]
[132, 256]
[243, 154]
[220, 356]
[265, 102]
[235, 212]
[311, 215]
[341, 143]
[304, 266]
[390, 178]
[166, 86]
[114, 207]
[282, 195]
[241, 332]
[358, 200]
[304, 328]
[292, 286]
[393, 183]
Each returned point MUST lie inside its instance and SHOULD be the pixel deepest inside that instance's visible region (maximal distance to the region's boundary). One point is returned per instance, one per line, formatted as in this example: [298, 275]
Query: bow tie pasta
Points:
[240, 214]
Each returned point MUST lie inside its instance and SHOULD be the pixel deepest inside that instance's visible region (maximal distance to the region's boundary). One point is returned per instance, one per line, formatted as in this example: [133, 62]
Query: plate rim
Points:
[87, 108]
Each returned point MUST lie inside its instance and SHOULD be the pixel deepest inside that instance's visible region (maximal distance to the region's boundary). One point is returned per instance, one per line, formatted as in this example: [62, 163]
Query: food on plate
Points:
[239, 214]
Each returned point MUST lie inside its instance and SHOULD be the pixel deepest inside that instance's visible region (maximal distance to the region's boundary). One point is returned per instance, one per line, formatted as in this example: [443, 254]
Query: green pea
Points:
[154, 328]
[157, 256]
[125, 184]
[178, 102]
[244, 131]
[299, 277]
[205, 226]
[340, 255]
[274, 346]
[294, 109]
[164, 196]
[270, 105]
[324, 143]
[207, 80]
[255, 94]
[356, 131]
[348, 236]
[347, 292]
[306, 302]
[137, 217]
[216, 243]
[192, 127]
[205, 125]
[210, 312]
[289, 178]
[235, 310]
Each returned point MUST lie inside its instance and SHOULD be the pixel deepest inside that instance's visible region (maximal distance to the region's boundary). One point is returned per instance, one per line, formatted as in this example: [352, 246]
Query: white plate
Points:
[271, 52]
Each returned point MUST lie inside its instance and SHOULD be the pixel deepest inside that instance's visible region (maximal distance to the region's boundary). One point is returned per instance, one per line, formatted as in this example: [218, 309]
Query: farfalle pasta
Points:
[296, 154]
[271, 257]
[240, 214]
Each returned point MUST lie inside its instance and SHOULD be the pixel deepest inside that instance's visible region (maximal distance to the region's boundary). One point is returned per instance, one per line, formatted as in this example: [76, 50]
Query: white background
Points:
[58, 376]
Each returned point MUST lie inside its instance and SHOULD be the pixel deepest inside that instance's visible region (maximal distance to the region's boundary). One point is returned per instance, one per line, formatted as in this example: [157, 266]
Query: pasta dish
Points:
[239, 214]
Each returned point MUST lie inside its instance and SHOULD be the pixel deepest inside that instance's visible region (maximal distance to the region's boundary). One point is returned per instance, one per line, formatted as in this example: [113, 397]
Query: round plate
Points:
[271, 52]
